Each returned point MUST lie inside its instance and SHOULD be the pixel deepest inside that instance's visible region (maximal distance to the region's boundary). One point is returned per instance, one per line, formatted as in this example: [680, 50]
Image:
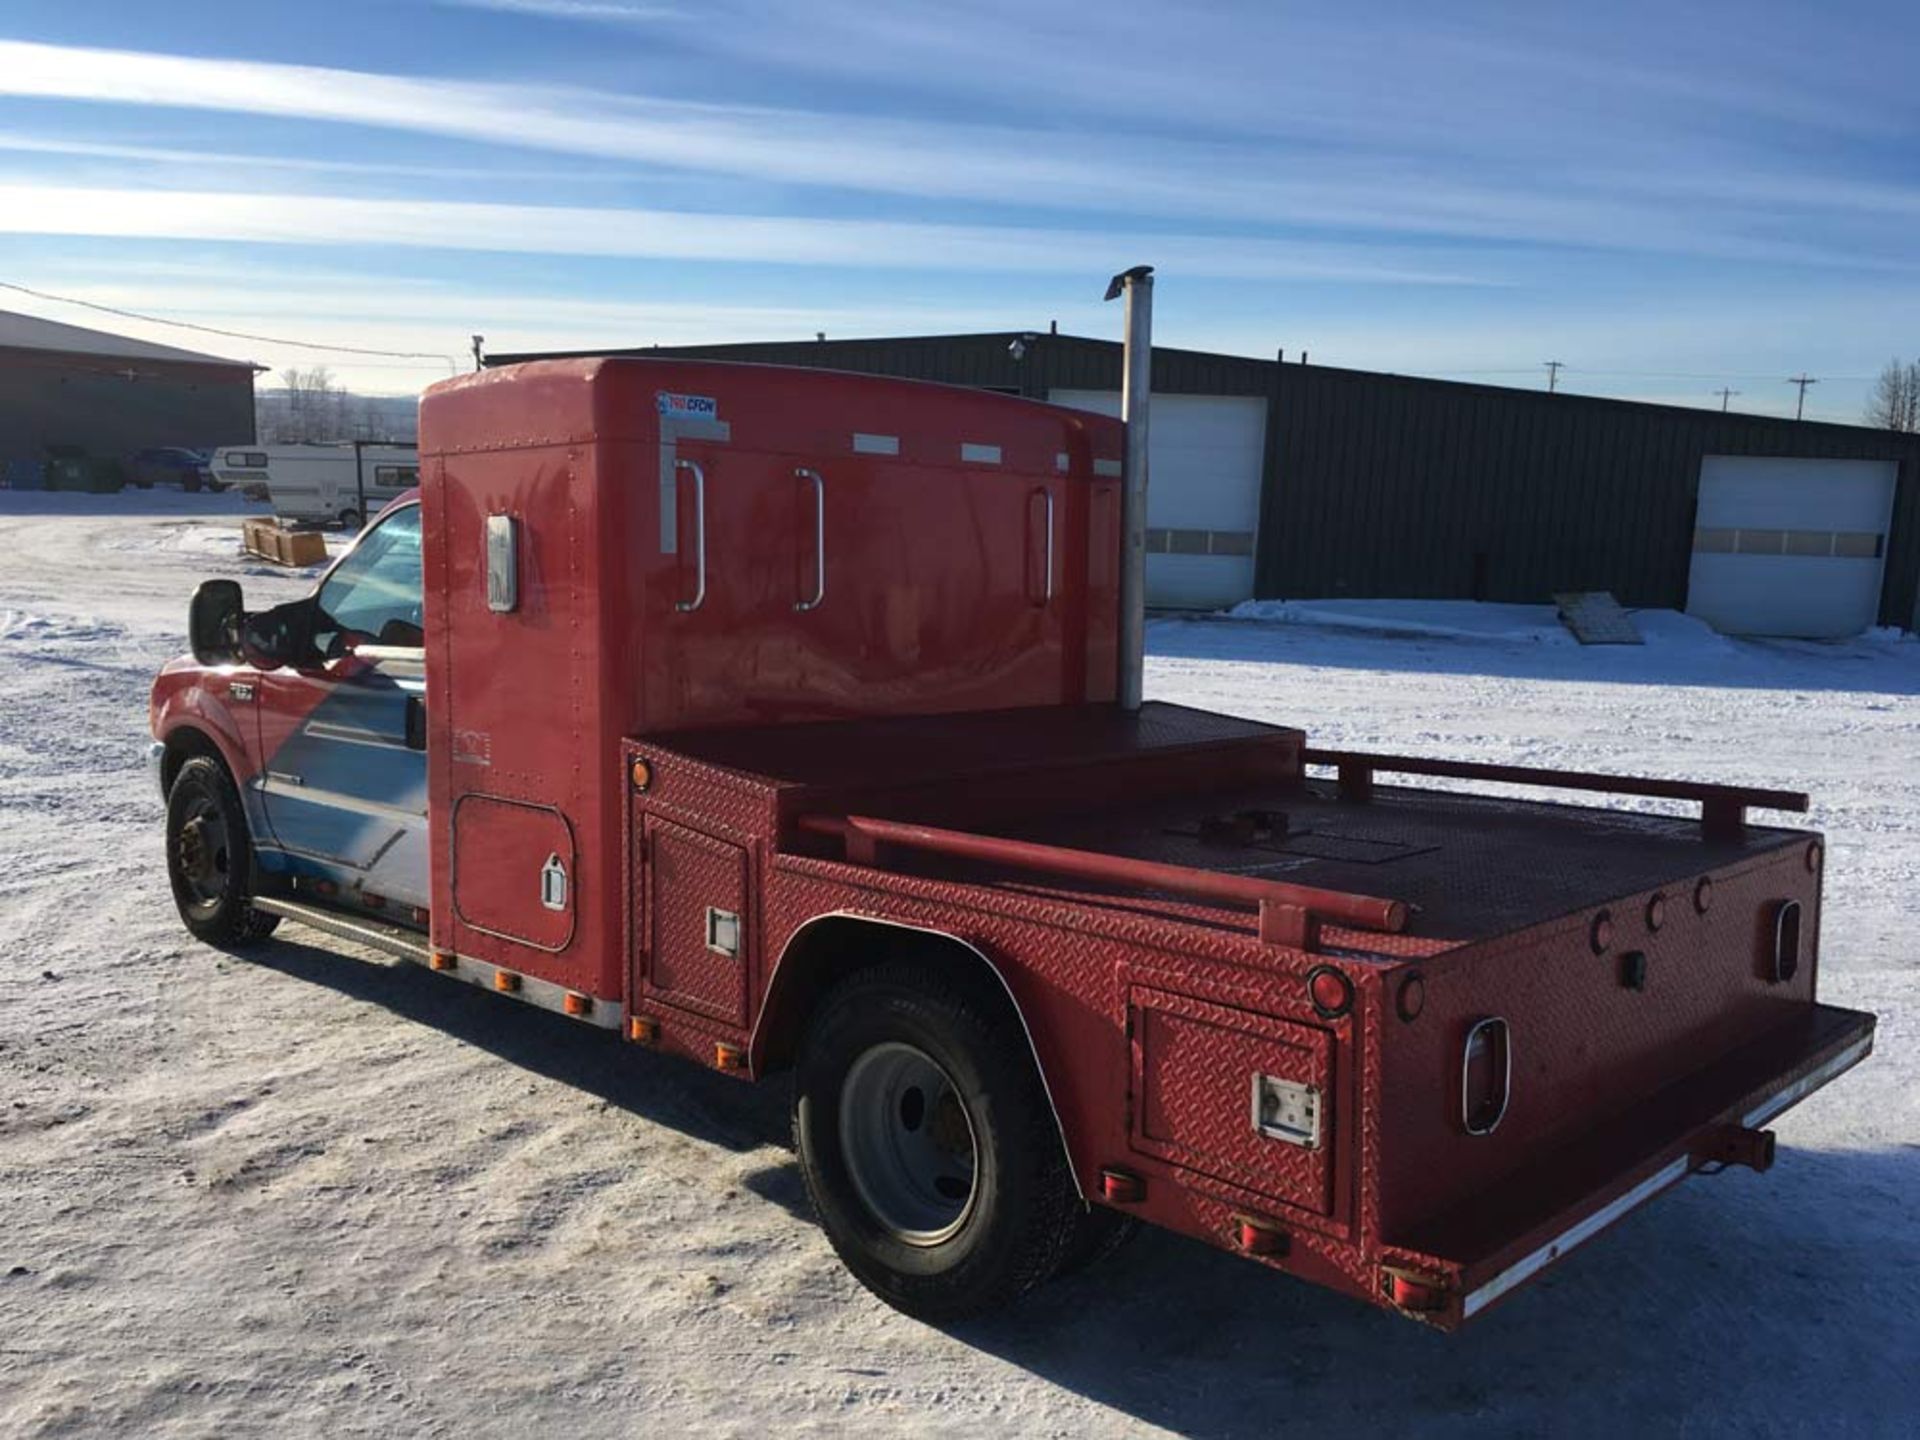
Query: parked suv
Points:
[168, 464]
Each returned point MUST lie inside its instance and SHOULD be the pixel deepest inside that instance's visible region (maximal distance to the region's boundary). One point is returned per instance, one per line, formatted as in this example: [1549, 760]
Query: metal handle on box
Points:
[699, 534]
[819, 539]
[1047, 596]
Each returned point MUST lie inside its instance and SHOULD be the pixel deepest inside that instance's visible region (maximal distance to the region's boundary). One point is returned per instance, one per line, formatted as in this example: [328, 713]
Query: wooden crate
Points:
[272, 541]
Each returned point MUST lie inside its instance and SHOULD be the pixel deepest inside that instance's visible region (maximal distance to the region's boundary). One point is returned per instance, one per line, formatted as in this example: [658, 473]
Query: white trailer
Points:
[329, 484]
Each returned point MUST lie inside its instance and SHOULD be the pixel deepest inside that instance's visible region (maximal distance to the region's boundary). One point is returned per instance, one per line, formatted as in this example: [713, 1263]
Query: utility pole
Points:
[1802, 380]
[1725, 395]
[479, 352]
[1553, 374]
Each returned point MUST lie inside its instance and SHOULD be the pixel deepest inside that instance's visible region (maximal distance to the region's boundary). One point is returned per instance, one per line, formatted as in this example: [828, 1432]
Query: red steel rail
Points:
[1723, 808]
[1289, 914]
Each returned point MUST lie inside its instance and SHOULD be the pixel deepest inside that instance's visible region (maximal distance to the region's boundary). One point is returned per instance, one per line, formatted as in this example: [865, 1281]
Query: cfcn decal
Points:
[687, 407]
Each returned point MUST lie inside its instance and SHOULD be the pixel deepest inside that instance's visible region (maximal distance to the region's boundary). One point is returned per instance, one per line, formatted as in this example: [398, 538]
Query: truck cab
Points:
[320, 725]
[775, 719]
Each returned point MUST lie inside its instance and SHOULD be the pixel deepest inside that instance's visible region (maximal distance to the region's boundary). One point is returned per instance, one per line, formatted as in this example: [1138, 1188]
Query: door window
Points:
[375, 591]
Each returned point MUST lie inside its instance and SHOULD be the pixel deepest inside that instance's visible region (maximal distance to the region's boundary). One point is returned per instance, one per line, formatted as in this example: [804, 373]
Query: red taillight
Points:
[1330, 992]
[1486, 1076]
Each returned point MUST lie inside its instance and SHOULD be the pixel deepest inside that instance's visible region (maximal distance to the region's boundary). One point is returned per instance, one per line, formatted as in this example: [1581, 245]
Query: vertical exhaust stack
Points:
[1136, 390]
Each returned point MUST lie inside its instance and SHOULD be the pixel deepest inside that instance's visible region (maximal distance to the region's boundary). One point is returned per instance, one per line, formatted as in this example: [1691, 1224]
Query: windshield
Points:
[374, 594]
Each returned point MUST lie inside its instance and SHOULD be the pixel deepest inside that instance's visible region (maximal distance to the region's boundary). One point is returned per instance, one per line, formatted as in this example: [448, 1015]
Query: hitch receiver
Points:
[1736, 1145]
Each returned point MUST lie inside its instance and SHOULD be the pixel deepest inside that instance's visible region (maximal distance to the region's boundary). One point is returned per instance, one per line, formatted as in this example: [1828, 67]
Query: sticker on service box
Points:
[687, 407]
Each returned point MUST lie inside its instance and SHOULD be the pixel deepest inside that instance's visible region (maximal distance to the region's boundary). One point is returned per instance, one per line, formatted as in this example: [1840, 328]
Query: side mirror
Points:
[214, 621]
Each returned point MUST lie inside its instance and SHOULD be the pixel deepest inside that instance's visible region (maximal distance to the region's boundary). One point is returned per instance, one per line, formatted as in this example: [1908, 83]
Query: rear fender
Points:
[826, 948]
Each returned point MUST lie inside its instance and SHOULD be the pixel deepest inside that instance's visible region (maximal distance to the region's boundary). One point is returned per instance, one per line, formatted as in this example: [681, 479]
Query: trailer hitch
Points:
[1726, 1145]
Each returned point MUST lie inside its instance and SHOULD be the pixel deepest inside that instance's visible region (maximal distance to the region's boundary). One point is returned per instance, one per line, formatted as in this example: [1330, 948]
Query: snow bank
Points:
[1472, 620]
[1437, 619]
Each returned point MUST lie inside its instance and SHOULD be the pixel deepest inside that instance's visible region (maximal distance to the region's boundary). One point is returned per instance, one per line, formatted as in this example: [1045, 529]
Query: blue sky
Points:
[1666, 198]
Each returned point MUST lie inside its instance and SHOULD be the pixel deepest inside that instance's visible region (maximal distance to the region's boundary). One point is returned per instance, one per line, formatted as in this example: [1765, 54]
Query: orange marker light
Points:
[643, 1028]
[441, 960]
[729, 1057]
[1259, 1239]
[641, 773]
[576, 1004]
[1600, 933]
[1330, 992]
[506, 981]
[1413, 1292]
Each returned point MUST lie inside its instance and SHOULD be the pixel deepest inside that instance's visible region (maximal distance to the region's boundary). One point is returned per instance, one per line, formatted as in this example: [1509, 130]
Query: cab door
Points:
[344, 731]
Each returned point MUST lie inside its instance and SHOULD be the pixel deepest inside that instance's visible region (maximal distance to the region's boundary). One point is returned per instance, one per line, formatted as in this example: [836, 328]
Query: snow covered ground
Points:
[313, 1195]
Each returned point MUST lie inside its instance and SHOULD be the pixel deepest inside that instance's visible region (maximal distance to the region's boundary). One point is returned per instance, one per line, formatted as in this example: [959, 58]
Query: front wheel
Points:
[928, 1146]
[209, 856]
[350, 520]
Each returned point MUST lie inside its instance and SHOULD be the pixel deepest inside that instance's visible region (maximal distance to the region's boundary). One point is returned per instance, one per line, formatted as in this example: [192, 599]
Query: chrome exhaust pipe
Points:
[1136, 391]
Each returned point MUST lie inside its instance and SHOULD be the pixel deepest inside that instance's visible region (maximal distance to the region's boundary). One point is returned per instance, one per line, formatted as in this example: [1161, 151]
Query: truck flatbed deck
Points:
[1166, 783]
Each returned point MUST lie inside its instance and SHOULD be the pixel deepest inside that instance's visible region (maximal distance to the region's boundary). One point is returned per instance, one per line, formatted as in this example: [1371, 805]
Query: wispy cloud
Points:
[22, 144]
[1203, 182]
[297, 219]
[602, 11]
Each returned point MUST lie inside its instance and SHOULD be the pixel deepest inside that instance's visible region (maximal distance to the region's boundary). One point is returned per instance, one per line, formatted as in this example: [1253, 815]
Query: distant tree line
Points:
[311, 406]
[1894, 403]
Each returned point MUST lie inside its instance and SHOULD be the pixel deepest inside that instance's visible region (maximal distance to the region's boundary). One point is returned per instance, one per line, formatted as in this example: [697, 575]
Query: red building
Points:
[110, 395]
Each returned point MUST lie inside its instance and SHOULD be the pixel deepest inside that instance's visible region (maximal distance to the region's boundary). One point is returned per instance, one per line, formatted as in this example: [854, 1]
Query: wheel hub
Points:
[203, 857]
[908, 1143]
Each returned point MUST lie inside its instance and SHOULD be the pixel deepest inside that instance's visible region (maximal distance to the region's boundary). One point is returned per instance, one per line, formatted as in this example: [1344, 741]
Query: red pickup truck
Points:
[781, 720]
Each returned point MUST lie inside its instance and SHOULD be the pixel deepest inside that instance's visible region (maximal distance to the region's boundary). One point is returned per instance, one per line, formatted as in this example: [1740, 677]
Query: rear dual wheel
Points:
[929, 1148]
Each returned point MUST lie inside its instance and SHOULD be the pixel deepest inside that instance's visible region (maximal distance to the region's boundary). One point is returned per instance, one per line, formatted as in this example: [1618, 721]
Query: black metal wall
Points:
[110, 406]
[1386, 486]
[1389, 486]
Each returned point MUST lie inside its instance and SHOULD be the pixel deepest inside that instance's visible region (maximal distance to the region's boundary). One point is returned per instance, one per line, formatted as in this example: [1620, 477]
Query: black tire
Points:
[350, 520]
[190, 484]
[1019, 1212]
[1098, 1233]
[210, 857]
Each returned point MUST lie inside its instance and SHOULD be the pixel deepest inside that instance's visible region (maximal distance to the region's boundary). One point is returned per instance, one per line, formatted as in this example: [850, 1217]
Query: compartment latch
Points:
[1286, 1110]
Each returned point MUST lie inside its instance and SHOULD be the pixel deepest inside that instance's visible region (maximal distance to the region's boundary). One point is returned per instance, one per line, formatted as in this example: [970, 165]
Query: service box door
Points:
[694, 930]
[1240, 1097]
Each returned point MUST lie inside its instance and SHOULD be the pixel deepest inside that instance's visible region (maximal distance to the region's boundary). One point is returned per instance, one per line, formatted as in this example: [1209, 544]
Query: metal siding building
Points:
[1386, 486]
[109, 395]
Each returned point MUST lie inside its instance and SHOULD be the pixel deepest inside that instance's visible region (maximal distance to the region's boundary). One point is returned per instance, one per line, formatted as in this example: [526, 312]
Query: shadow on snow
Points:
[1741, 1304]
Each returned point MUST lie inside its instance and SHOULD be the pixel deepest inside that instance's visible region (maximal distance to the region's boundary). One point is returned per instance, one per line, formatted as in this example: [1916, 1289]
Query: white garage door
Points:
[1790, 547]
[1203, 494]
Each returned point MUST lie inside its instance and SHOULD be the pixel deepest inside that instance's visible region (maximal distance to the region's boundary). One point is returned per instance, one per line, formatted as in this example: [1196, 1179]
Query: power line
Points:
[445, 360]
